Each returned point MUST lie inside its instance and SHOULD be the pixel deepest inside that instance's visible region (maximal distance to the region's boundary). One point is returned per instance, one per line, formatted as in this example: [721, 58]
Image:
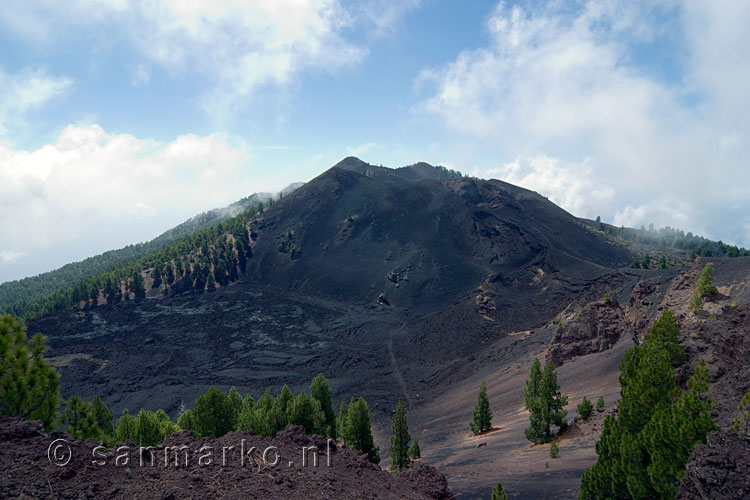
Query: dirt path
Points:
[394, 364]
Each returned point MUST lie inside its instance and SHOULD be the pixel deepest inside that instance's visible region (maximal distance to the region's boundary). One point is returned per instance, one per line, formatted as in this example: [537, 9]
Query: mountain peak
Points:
[416, 172]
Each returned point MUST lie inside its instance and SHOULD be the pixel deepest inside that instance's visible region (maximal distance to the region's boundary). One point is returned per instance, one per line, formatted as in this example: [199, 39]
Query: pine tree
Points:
[414, 451]
[200, 277]
[169, 273]
[545, 403]
[127, 427]
[109, 289]
[137, 284]
[704, 288]
[277, 416]
[156, 275]
[186, 422]
[552, 401]
[306, 411]
[236, 400]
[643, 449]
[167, 428]
[357, 430]
[482, 414]
[103, 416]
[400, 439]
[214, 414]
[210, 283]
[241, 257]
[80, 418]
[29, 387]
[585, 408]
[531, 401]
[672, 432]
[342, 426]
[666, 331]
[149, 430]
[245, 419]
[320, 389]
[498, 493]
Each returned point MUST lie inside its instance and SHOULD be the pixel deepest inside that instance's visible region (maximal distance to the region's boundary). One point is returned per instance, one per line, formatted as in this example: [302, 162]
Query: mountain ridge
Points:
[47, 283]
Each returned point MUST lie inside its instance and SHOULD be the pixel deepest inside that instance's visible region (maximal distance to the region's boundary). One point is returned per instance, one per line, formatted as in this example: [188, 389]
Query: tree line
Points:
[197, 261]
[30, 289]
[667, 237]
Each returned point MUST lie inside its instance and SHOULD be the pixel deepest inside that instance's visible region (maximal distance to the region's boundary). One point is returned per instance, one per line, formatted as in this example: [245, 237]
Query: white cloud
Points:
[562, 86]
[243, 47]
[92, 191]
[240, 48]
[570, 186]
[26, 91]
[10, 256]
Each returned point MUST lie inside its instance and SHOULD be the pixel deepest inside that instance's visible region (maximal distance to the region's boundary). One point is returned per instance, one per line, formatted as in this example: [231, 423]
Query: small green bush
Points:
[704, 288]
[584, 408]
[554, 450]
[607, 299]
[498, 493]
[600, 403]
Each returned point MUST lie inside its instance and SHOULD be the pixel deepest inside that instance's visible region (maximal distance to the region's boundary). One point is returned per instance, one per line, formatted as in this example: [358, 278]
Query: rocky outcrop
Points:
[594, 328]
[272, 469]
[719, 469]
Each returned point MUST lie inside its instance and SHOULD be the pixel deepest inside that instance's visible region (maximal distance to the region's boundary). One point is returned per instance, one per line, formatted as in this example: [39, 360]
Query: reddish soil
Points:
[28, 473]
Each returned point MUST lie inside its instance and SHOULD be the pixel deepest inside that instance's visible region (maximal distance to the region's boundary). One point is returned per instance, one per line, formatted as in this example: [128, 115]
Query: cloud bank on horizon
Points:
[120, 119]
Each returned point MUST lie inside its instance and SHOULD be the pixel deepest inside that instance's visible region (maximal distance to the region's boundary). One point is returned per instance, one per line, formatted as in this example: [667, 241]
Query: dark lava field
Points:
[477, 275]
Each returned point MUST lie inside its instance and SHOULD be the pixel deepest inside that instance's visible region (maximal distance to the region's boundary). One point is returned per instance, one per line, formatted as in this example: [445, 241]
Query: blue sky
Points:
[120, 119]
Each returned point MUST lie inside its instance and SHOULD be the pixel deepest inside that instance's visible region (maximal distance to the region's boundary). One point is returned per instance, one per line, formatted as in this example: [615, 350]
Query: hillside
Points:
[27, 296]
[414, 283]
[112, 276]
[446, 251]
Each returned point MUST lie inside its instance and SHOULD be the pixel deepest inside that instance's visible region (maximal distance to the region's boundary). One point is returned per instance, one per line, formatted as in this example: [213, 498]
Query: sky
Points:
[120, 119]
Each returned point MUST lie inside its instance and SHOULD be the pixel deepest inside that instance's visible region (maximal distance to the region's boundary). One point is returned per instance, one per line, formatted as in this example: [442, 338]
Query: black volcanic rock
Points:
[463, 263]
[357, 223]
[718, 469]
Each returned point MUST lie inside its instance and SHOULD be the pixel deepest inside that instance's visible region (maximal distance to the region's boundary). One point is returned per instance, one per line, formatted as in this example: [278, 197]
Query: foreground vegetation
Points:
[644, 448]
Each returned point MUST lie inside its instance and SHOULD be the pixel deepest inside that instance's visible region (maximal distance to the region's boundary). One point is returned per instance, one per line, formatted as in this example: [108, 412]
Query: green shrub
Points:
[554, 451]
[414, 451]
[498, 493]
[704, 288]
[584, 408]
